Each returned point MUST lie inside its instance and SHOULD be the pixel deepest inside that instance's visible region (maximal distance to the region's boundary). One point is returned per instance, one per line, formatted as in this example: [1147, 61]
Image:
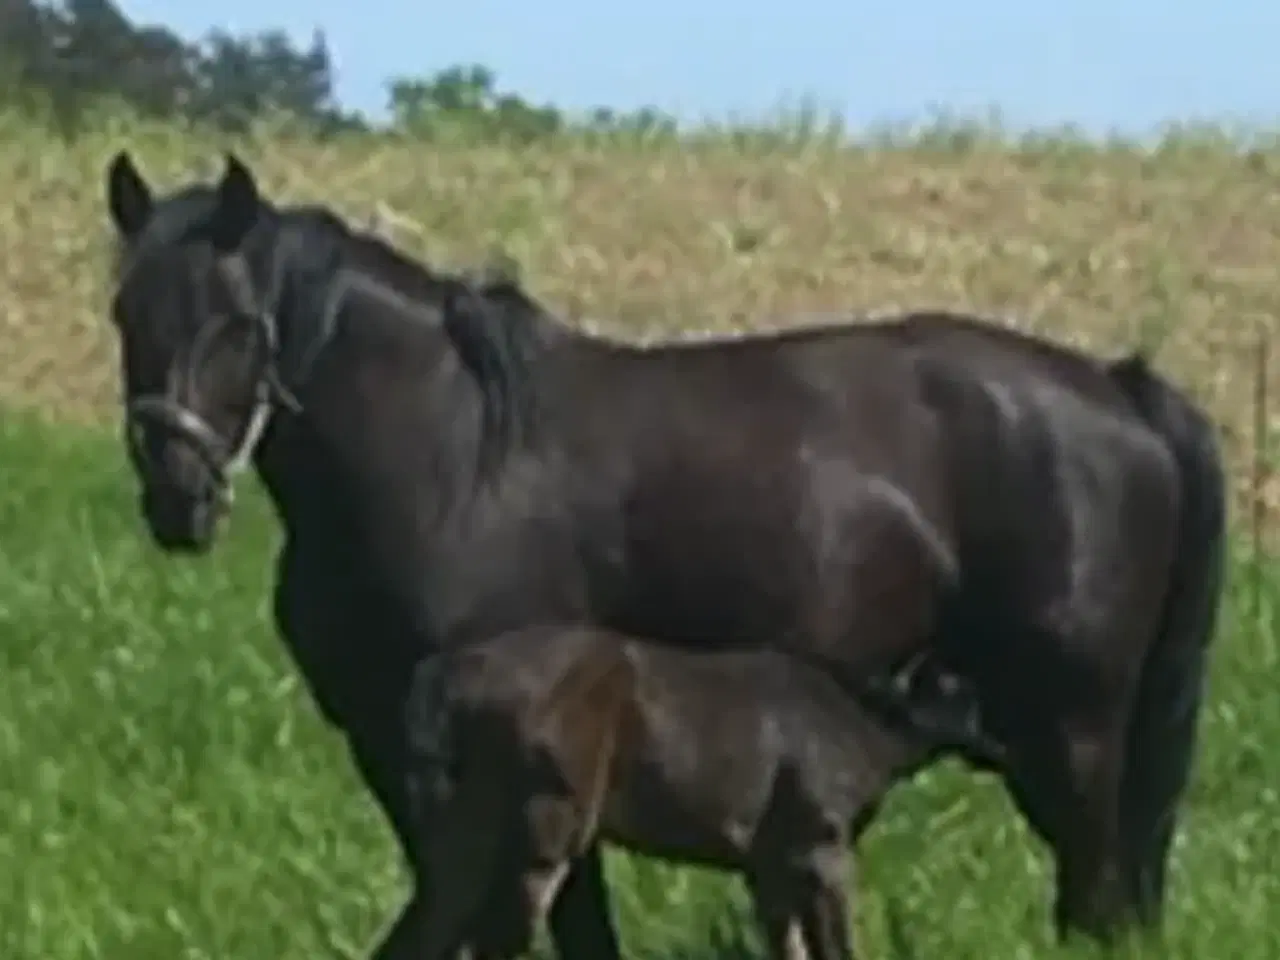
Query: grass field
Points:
[167, 791]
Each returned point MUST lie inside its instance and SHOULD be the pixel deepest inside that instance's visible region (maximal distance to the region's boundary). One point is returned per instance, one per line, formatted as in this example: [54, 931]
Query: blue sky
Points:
[1101, 64]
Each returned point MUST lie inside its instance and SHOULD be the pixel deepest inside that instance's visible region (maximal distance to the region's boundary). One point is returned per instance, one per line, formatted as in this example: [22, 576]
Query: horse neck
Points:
[385, 404]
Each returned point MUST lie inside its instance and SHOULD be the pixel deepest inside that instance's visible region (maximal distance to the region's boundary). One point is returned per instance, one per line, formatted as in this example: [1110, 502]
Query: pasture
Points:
[167, 791]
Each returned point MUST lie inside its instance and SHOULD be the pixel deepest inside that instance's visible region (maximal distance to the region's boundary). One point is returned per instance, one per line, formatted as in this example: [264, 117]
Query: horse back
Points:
[760, 491]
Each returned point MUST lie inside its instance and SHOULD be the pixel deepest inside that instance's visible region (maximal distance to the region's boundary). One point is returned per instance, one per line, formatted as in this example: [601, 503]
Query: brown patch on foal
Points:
[582, 723]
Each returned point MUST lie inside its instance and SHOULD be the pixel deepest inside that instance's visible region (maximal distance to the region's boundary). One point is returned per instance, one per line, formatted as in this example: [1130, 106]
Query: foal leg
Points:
[802, 906]
[575, 905]
[824, 911]
[580, 922]
[776, 902]
[511, 918]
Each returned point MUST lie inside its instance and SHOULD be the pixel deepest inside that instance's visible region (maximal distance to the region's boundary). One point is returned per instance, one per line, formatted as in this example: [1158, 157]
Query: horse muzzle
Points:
[180, 521]
[179, 461]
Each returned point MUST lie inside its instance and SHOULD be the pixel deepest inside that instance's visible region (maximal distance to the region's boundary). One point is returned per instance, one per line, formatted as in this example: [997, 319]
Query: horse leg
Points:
[1069, 789]
[439, 928]
[579, 919]
[1160, 756]
[1092, 889]
[316, 607]
[459, 866]
[401, 938]
[379, 762]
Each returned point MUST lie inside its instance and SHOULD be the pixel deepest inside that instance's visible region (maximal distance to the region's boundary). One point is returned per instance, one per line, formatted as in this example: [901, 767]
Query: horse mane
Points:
[494, 324]
[488, 317]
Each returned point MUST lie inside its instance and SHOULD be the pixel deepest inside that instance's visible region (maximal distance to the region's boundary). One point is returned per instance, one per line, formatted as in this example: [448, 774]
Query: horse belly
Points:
[854, 571]
[886, 570]
[710, 582]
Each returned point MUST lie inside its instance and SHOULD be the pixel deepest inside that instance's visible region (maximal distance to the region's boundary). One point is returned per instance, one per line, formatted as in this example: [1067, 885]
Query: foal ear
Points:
[128, 196]
[238, 206]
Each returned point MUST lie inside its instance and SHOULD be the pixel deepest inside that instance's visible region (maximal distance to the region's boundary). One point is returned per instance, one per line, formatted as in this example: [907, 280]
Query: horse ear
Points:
[239, 204]
[128, 196]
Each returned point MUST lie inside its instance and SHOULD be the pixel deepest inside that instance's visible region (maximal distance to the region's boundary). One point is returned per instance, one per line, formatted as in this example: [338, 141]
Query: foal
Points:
[530, 747]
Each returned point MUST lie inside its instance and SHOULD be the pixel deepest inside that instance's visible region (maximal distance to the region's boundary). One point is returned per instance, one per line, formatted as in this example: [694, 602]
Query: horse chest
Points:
[351, 647]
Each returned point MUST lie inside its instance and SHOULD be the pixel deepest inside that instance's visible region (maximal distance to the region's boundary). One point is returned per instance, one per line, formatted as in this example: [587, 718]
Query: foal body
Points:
[529, 748]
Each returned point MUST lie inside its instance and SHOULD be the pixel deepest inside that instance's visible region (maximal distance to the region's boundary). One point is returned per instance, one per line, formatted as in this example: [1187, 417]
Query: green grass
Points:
[167, 791]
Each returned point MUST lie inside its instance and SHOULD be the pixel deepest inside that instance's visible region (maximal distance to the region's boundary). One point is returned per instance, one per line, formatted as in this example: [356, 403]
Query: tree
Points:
[79, 51]
[67, 56]
[240, 78]
[465, 98]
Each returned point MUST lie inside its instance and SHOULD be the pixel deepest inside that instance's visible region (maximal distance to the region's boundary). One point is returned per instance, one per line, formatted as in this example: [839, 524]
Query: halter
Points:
[223, 459]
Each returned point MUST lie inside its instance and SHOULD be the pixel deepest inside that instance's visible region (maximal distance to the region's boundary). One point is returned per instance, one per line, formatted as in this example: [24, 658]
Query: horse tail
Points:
[580, 722]
[1162, 733]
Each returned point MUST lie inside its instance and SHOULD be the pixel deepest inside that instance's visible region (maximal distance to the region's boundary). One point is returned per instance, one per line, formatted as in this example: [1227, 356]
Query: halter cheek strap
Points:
[259, 420]
[268, 390]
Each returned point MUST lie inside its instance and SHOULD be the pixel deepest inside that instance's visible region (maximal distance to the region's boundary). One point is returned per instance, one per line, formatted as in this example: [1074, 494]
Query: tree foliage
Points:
[69, 56]
[467, 99]
[65, 58]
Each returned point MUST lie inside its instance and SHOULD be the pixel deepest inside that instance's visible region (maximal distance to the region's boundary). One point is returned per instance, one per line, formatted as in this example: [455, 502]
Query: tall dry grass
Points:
[1098, 246]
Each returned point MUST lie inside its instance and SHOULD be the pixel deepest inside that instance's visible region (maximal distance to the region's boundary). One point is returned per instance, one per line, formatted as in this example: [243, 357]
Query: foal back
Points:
[670, 751]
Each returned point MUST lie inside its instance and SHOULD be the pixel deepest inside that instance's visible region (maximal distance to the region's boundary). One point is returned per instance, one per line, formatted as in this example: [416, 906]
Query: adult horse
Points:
[448, 461]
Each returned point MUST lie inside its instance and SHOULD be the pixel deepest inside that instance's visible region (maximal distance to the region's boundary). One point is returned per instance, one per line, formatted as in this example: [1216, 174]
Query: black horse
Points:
[450, 462]
[529, 748]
